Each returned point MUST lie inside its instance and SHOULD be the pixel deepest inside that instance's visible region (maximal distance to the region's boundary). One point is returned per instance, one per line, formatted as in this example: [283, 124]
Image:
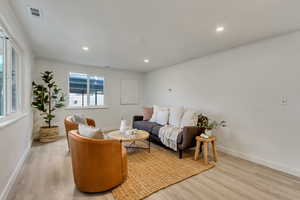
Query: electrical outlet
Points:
[284, 101]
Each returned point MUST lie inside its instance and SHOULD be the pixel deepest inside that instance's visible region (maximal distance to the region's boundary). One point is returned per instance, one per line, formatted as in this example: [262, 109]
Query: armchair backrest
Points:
[70, 125]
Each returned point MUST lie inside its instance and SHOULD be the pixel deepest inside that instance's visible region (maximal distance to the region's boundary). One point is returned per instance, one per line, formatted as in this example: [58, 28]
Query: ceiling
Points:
[121, 34]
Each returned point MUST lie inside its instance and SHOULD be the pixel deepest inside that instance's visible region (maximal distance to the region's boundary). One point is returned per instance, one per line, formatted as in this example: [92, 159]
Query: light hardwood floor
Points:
[47, 175]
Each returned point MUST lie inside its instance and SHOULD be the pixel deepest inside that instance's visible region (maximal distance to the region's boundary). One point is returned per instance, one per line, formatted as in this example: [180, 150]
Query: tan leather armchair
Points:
[98, 165]
[69, 126]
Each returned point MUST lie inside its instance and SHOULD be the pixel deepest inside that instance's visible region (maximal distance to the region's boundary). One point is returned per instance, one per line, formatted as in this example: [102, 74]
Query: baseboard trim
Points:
[258, 160]
[14, 175]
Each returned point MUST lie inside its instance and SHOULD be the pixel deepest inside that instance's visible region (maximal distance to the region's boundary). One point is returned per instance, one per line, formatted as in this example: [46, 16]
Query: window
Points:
[85, 90]
[9, 64]
[14, 96]
[1, 75]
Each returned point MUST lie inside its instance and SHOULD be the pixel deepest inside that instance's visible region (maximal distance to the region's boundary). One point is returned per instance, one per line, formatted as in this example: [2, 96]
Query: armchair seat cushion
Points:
[144, 125]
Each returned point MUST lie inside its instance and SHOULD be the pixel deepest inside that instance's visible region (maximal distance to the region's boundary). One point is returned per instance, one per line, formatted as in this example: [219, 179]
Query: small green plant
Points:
[47, 97]
[214, 124]
[208, 124]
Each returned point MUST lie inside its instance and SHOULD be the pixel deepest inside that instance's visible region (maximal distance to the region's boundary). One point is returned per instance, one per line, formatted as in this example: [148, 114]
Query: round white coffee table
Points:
[140, 135]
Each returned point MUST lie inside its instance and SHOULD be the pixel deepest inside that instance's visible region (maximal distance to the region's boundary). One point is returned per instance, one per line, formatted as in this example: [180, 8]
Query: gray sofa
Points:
[185, 140]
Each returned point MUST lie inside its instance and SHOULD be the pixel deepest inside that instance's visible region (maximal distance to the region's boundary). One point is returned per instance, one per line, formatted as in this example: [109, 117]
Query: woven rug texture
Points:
[151, 172]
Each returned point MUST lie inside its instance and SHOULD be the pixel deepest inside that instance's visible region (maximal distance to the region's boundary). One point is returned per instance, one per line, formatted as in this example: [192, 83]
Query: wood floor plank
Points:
[263, 184]
[47, 174]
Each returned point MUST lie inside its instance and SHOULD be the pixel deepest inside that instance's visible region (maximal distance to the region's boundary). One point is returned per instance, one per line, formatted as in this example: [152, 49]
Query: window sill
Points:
[6, 121]
[86, 108]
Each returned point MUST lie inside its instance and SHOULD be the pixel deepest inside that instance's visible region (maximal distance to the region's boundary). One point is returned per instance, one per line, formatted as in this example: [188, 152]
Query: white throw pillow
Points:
[162, 116]
[176, 115]
[90, 132]
[189, 118]
[155, 109]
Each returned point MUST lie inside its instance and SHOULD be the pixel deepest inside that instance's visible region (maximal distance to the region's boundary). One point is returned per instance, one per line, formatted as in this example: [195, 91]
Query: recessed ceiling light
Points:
[146, 60]
[220, 29]
[85, 48]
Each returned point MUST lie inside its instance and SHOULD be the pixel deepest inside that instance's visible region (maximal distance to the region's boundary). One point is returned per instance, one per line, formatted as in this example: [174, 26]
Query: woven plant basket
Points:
[48, 134]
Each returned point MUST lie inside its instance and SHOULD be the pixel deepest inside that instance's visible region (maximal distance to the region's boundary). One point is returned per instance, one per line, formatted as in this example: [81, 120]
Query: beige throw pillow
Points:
[189, 118]
[90, 132]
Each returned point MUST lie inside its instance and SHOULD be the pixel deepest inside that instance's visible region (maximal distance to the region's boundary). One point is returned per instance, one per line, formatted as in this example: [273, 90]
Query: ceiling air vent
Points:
[35, 12]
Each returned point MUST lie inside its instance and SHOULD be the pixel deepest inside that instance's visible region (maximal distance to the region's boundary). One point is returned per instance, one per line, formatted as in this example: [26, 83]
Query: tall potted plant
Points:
[47, 97]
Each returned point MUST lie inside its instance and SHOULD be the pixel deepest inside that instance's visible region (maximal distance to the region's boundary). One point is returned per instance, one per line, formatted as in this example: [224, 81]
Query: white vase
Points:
[209, 133]
[123, 126]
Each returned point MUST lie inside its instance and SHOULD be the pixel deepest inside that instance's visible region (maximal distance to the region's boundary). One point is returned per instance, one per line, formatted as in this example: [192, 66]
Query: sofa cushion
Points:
[144, 125]
[155, 130]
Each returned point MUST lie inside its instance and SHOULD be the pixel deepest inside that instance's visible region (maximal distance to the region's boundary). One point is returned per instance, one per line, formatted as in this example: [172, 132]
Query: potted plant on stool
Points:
[209, 125]
[47, 98]
[212, 125]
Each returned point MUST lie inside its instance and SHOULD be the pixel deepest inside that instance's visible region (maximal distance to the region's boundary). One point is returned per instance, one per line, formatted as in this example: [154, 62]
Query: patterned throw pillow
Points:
[79, 119]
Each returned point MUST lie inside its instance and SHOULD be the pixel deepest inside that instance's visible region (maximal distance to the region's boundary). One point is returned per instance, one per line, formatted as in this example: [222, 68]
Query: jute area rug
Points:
[151, 172]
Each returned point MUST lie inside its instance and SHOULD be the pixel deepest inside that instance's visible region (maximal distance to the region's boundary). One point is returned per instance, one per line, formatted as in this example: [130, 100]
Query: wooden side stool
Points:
[205, 148]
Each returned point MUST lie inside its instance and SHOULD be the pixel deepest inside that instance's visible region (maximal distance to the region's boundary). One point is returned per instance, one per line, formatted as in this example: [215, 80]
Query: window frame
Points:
[10, 45]
[13, 46]
[104, 106]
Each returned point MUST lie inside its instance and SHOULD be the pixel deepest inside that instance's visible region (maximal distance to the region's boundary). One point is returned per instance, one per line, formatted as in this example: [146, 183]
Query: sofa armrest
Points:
[186, 138]
[138, 118]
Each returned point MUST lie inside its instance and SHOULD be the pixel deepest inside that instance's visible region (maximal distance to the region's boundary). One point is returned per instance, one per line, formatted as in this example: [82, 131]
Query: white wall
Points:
[16, 137]
[243, 86]
[105, 118]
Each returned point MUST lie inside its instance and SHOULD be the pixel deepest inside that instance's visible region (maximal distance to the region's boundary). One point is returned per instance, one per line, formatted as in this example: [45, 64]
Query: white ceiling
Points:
[122, 33]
